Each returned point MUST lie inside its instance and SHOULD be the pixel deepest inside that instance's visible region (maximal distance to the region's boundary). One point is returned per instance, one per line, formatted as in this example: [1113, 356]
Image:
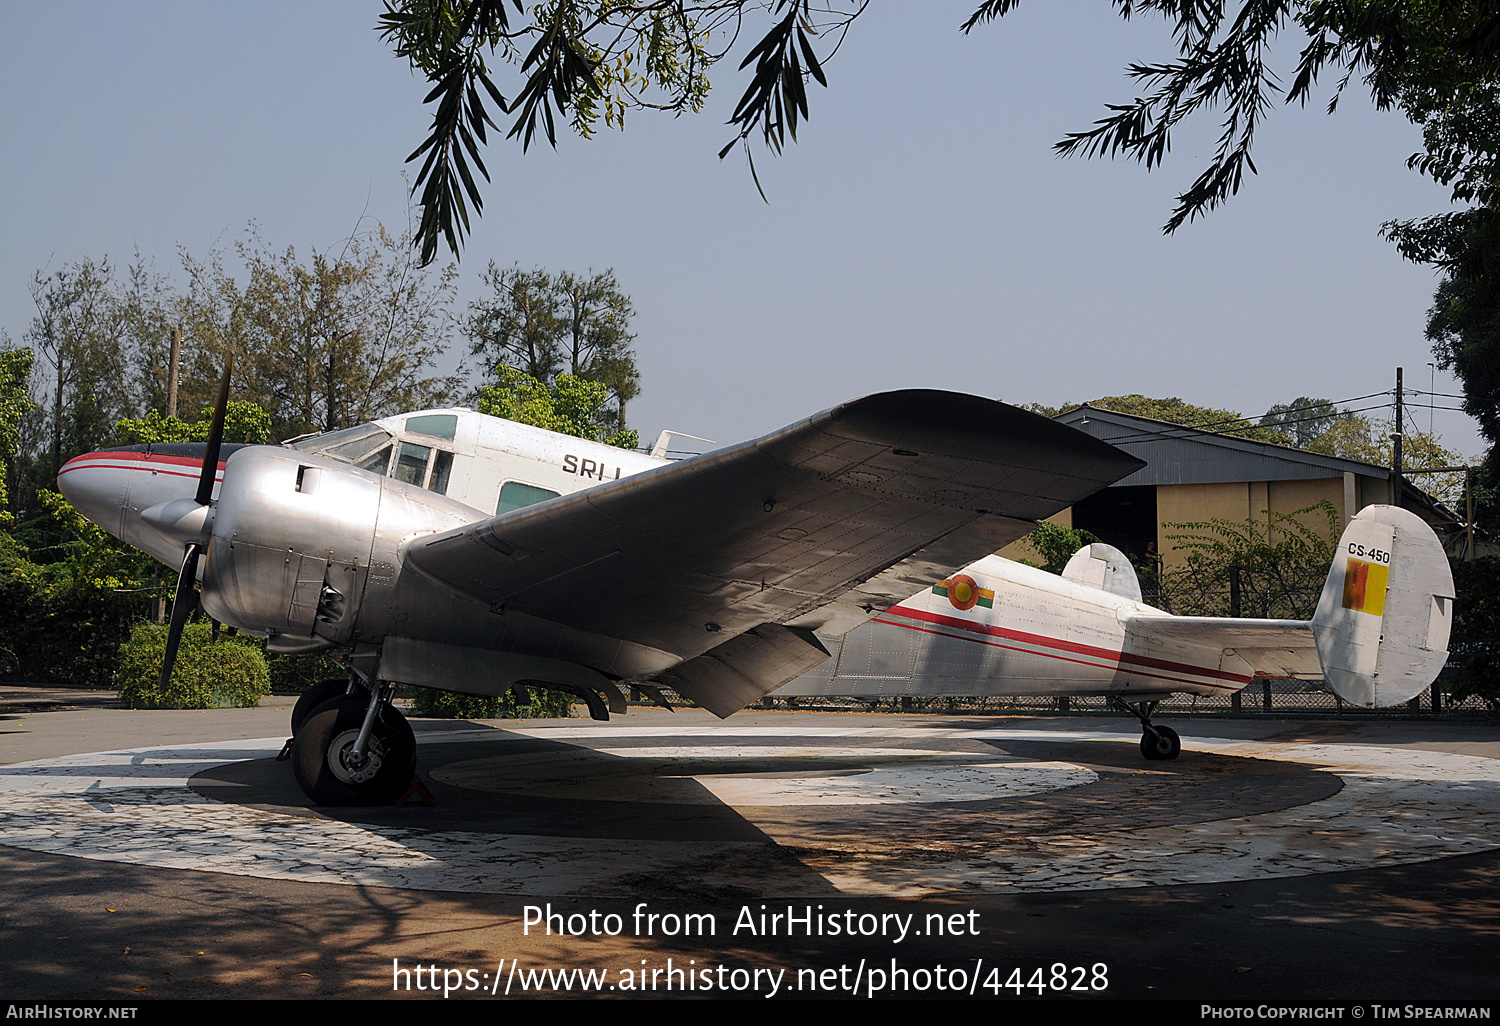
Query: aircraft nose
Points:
[97, 487]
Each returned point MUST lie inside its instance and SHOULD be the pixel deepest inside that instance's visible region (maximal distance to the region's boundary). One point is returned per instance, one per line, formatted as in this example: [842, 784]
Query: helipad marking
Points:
[1397, 806]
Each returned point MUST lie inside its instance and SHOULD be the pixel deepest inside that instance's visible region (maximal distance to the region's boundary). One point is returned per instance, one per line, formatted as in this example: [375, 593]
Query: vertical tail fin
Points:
[1383, 619]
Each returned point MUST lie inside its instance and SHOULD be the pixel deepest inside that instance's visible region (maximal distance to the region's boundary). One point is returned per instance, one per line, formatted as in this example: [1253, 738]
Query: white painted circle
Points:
[1396, 806]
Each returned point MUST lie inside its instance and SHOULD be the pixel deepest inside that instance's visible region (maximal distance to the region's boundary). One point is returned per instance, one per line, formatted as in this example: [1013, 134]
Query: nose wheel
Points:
[332, 768]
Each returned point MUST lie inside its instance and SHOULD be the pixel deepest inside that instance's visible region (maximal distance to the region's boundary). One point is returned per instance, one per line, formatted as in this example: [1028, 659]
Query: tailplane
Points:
[1383, 619]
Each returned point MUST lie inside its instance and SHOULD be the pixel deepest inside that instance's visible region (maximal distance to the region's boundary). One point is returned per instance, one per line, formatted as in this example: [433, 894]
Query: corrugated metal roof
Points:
[1176, 454]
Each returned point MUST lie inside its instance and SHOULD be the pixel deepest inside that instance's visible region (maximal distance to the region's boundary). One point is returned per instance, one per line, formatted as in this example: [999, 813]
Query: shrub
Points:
[1475, 642]
[207, 675]
[294, 674]
[544, 703]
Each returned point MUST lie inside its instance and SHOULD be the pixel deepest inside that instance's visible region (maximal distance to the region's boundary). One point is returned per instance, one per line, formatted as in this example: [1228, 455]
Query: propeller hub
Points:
[181, 520]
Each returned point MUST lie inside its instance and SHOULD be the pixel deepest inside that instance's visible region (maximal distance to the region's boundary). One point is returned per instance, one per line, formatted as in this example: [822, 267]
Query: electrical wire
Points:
[1211, 425]
[1166, 430]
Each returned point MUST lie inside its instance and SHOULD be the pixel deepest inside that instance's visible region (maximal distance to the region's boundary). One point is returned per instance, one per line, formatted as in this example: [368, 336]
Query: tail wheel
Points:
[323, 761]
[1161, 743]
[315, 696]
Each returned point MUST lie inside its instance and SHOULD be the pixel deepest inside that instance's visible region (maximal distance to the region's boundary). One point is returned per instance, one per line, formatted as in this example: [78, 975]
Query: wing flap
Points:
[745, 668]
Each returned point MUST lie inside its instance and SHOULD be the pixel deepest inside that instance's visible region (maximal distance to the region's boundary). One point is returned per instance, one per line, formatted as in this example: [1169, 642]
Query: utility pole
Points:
[1396, 450]
[172, 367]
[172, 372]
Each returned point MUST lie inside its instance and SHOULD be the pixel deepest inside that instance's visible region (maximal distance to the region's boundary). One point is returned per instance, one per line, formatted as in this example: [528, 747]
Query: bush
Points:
[67, 600]
[545, 703]
[1475, 642]
[207, 675]
[294, 674]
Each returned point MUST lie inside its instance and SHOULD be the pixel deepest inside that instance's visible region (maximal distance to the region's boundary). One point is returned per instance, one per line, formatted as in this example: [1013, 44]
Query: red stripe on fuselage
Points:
[1077, 648]
[155, 462]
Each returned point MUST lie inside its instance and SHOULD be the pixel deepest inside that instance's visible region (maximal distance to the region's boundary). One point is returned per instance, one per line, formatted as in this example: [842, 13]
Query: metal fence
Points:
[1278, 698]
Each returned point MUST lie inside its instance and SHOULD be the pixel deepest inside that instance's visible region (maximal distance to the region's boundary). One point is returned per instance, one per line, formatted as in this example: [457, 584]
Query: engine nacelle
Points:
[290, 548]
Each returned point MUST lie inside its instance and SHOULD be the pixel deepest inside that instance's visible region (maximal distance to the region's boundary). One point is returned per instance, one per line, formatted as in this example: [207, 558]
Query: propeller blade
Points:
[215, 438]
[182, 608]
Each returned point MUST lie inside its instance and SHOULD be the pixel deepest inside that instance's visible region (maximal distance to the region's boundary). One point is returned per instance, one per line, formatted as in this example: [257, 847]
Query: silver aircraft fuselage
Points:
[306, 548]
[1018, 630]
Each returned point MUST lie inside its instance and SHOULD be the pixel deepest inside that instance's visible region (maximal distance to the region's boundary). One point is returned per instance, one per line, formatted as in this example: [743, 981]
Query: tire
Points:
[332, 729]
[315, 696]
[1162, 745]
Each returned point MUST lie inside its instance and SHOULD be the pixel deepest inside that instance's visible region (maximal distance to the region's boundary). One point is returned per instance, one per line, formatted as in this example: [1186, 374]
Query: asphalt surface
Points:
[1275, 861]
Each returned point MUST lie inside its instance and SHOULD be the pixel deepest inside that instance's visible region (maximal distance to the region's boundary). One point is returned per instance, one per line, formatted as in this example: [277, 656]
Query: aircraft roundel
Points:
[963, 592]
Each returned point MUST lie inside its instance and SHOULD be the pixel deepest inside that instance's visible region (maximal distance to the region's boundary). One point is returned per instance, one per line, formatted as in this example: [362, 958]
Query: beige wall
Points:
[1239, 501]
[1288, 496]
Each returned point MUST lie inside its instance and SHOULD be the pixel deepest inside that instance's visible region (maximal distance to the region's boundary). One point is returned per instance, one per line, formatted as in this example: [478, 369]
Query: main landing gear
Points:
[1157, 742]
[350, 746]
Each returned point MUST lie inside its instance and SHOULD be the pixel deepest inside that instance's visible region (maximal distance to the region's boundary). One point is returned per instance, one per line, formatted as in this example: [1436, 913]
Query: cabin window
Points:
[515, 495]
[433, 425]
[442, 469]
[411, 464]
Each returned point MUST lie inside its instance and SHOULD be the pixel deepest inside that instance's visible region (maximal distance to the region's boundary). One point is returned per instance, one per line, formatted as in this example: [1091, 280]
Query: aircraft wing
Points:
[814, 527]
[1273, 648]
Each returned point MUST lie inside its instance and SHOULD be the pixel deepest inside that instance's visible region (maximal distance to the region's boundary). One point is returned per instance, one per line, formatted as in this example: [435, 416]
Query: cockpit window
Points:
[434, 425]
[411, 464]
[352, 445]
[442, 470]
[377, 462]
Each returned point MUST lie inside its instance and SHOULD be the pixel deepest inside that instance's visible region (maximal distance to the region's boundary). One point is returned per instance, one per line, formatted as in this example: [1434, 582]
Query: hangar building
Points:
[1196, 475]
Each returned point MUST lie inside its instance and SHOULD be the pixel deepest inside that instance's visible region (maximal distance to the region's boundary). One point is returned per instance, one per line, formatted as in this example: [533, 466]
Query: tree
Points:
[77, 332]
[1476, 630]
[341, 339]
[1272, 565]
[544, 324]
[518, 324]
[1056, 544]
[590, 62]
[571, 406]
[1303, 419]
[243, 422]
[15, 403]
[1173, 411]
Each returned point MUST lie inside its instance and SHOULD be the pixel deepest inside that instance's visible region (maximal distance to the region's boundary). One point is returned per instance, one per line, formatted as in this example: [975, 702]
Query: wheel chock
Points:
[418, 790]
[286, 750]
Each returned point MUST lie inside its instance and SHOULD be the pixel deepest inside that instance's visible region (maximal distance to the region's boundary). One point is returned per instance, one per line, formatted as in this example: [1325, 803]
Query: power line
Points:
[1167, 428]
[1211, 425]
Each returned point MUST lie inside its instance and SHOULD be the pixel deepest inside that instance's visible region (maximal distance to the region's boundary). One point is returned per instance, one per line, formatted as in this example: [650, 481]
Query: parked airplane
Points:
[723, 576]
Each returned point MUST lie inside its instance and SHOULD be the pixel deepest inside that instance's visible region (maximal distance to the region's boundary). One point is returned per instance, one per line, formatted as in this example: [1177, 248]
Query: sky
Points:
[921, 232]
